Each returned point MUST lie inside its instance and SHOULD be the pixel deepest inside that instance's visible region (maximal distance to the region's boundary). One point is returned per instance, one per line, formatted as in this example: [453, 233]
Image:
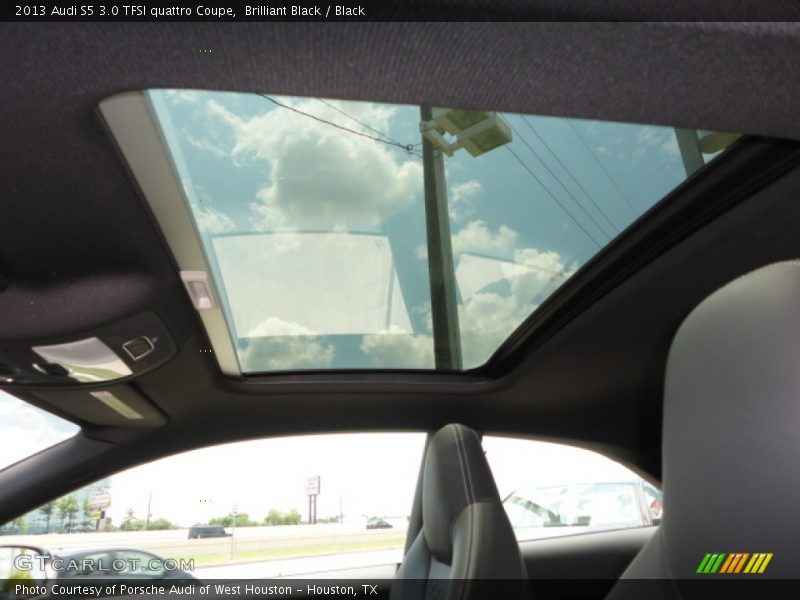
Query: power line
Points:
[597, 160]
[561, 183]
[539, 181]
[563, 166]
[406, 147]
[352, 118]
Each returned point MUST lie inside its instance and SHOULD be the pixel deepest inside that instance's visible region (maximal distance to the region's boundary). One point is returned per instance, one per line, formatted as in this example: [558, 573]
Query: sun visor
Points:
[114, 406]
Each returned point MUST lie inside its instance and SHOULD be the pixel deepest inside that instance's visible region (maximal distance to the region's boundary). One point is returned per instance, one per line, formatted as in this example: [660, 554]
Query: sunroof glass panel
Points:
[319, 219]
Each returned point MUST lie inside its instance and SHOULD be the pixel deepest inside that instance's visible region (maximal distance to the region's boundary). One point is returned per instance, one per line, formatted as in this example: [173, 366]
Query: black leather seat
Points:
[465, 534]
[730, 438]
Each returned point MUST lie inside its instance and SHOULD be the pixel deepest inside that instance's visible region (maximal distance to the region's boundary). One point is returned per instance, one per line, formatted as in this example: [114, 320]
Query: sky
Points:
[315, 233]
[25, 430]
[370, 474]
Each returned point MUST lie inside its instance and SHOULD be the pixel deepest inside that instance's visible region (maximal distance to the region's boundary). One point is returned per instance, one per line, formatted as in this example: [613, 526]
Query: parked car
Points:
[116, 563]
[584, 506]
[378, 524]
[207, 531]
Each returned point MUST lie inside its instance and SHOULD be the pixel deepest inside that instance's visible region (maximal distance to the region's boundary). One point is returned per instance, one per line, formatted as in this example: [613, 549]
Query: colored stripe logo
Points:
[734, 563]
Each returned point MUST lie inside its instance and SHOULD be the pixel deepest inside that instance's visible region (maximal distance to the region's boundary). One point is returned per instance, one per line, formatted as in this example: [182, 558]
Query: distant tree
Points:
[335, 519]
[132, 525]
[62, 507]
[47, 511]
[160, 524]
[67, 507]
[19, 523]
[242, 520]
[72, 512]
[130, 522]
[87, 514]
[277, 517]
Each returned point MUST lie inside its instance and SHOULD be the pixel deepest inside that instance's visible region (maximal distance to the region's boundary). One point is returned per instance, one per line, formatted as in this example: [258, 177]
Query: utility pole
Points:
[233, 528]
[147, 518]
[441, 270]
[689, 146]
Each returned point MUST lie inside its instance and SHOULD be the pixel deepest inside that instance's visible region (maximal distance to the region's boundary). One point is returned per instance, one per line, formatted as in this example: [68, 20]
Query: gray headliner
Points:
[79, 249]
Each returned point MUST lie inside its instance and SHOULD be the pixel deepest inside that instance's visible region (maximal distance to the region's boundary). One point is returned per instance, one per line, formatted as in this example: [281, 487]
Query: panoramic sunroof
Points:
[357, 235]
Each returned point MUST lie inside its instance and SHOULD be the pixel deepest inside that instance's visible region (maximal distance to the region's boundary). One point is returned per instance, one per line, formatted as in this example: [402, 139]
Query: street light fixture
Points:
[693, 143]
[711, 142]
[476, 131]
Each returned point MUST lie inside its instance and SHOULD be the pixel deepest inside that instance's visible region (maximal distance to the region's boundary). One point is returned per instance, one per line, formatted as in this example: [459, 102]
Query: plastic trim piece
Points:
[130, 117]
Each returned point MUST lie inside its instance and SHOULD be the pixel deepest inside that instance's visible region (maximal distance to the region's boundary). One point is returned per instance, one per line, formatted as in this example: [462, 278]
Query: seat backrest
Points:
[731, 437]
[465, 534]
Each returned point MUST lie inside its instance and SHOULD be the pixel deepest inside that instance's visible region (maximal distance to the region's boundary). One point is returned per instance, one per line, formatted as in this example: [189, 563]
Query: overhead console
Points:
[115, 352]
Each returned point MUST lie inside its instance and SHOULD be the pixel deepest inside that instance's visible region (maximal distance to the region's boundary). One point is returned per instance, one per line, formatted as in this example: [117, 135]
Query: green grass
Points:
[223, 558]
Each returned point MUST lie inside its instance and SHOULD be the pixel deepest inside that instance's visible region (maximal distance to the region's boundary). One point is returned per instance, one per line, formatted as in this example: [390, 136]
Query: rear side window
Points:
[258, 509]
[26, 429]
[552, 490]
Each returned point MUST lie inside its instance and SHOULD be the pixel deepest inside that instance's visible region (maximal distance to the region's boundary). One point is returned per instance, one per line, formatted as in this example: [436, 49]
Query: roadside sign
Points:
[312, 485]
[100, 501]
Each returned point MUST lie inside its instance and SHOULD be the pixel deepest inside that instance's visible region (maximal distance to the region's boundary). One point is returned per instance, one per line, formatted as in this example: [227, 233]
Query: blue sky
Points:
[316, 235]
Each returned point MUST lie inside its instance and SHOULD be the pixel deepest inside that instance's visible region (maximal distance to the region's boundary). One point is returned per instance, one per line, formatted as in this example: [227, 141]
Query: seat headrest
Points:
[455, 475]
[732, 424]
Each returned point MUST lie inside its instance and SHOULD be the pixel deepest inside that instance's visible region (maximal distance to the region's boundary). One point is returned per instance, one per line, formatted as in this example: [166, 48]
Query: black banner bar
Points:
[730, 587]
[227, 11]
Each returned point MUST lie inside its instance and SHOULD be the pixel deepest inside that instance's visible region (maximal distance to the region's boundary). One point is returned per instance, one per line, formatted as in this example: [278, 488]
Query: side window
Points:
[84, 564]
[130, 563]
[26, 430]
[552, 490]
[257, 509]
[654, 500]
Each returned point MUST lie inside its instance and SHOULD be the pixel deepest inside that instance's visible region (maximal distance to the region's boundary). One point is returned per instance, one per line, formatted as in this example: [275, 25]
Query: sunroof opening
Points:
[358, 235]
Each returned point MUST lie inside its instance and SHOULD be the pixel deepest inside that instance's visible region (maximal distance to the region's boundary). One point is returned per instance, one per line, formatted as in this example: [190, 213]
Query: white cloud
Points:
[670, 147]
[393, 348]
[320, 177]
[183, 96]
[658, 139]
[476, 237]
[210, 220]
[460, 205]
[276, 326]
[205, 145]
[487, 318]
[534, 271]
[285, 346]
